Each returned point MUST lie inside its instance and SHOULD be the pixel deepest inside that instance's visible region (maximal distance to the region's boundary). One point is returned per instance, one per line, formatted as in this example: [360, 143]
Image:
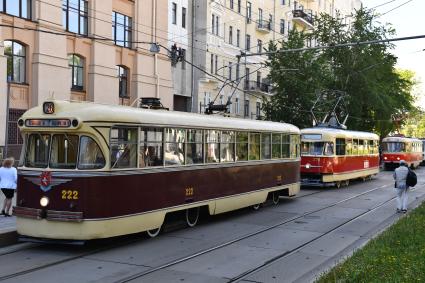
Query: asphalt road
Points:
[293, 241]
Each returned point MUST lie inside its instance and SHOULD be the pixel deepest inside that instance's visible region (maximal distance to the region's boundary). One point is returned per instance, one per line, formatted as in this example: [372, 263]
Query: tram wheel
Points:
[338, 184]
[154, 232]
[192, 216]
[256, 206]
[275, 197]
[346, 183]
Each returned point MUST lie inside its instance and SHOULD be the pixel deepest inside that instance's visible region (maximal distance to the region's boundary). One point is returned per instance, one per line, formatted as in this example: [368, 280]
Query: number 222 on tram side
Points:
[332, 157]
[95, 171]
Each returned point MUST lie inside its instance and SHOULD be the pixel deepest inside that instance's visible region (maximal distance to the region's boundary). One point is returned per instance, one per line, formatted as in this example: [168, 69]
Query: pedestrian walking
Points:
[401, 188]
[8, 181]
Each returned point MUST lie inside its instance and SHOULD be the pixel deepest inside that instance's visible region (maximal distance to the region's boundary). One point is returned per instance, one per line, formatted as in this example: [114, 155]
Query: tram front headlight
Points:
[398, 158]
[385, 158]
[44, 201]
[307, 166]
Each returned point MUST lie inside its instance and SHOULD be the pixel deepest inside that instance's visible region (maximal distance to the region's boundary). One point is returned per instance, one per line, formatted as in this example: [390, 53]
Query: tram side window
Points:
[37, 153]
[150, 147]
[295, 146]
[241, 146]
[355, 147]
[123, 147]
[254, 146]
[194, 145]
[174, 146]
[340, 147]
[90, 157]
[375, 147]
[212, 146]
[361, 148]
[286, 144]
[408, 147]
[265, 145]
[227, 146]
[348, 147]
[64, 152]
[276, 146]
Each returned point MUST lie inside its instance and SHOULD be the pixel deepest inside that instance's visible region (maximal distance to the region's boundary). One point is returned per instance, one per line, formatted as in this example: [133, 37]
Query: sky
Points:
[407, 20]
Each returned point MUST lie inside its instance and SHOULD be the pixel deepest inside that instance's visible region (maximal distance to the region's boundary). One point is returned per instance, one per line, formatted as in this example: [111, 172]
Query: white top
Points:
[8, 178]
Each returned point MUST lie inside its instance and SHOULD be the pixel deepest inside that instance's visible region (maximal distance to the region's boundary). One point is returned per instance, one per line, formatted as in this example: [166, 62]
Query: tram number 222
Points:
[189, 191]
[69, 194]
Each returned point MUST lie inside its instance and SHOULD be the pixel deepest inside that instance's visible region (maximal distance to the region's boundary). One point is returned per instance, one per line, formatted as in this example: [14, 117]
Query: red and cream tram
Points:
[396, 148]
[332, 157]
[94, 171]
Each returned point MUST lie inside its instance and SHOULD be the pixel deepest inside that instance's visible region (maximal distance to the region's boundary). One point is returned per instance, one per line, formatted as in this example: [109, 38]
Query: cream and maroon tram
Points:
[94, 171]
[332, 157]
[396, 148]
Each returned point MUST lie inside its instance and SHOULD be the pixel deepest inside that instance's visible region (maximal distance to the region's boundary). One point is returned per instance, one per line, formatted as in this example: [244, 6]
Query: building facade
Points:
[95, 50]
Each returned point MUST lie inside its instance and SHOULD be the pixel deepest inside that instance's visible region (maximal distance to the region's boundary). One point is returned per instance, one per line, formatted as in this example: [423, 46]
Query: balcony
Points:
[264, 26]
[303, 18]
[254, 86]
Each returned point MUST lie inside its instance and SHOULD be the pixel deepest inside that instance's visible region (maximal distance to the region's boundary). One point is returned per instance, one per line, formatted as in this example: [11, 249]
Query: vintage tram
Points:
[399, 147]
[333, 156]
[92, 171]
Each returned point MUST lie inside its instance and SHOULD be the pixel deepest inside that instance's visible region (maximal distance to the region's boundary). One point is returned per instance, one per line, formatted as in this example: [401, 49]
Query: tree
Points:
[375, 90]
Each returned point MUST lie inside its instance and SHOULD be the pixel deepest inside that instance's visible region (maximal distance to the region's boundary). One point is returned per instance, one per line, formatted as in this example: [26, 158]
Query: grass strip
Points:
[397, 255]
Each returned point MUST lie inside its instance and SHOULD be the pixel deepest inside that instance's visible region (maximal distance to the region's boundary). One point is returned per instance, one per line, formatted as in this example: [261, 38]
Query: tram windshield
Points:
[60, 151]
[393, 147]
[317, 148]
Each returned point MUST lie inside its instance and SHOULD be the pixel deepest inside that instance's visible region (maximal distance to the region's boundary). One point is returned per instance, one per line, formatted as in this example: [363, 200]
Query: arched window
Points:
[18, 8]
[122, 73]
[16, 61]
[76, 65]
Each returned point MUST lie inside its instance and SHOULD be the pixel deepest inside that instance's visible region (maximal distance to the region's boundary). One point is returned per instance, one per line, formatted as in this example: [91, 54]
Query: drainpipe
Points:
[192, 50]
[153, 39]
[6, 147]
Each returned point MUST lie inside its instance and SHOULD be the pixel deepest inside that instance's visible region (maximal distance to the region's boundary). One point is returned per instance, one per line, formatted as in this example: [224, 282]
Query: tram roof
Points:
[400, 139]
[339, 133]
[118, 114]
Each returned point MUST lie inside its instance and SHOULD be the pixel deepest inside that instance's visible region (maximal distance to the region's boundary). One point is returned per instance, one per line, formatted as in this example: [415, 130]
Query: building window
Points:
[246, 108]
[230, 71]
[230, 35]
[260, 46]
[282, 26]
[122, 73]
[183, 58]
[231, 4]
[237, 105]
[121, 29]
[183, 17]
[18, 8]
[248, 42]
[174, 15]
[213, 24]
[75, 15]
[216, 64]
[260, 16]
[76, 65]
[16, 61]
[248, 12]
[237, 72]
[217, 25]
[258, 109]
[239, 6]
[212, 64]
[238, 38]
[283, 2]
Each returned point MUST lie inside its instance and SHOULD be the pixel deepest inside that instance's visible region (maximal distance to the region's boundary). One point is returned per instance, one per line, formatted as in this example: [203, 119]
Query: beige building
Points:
[95, 50]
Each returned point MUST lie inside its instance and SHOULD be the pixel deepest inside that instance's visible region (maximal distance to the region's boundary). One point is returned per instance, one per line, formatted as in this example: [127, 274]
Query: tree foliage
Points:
[375, 90]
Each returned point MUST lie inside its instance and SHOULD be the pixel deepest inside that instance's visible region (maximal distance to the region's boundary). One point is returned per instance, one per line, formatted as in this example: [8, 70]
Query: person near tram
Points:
[400, 176]
[8, 182]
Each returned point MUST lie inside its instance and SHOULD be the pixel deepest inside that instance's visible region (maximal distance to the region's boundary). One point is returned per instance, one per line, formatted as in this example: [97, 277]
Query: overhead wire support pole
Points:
[358, 43]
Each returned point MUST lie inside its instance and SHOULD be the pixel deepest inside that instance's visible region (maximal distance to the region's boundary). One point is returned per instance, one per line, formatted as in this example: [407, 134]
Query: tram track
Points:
[203, 252]
[183, 259]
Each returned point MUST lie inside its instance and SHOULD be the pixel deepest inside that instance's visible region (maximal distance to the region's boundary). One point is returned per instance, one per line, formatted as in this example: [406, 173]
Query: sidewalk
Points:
[8, 233]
